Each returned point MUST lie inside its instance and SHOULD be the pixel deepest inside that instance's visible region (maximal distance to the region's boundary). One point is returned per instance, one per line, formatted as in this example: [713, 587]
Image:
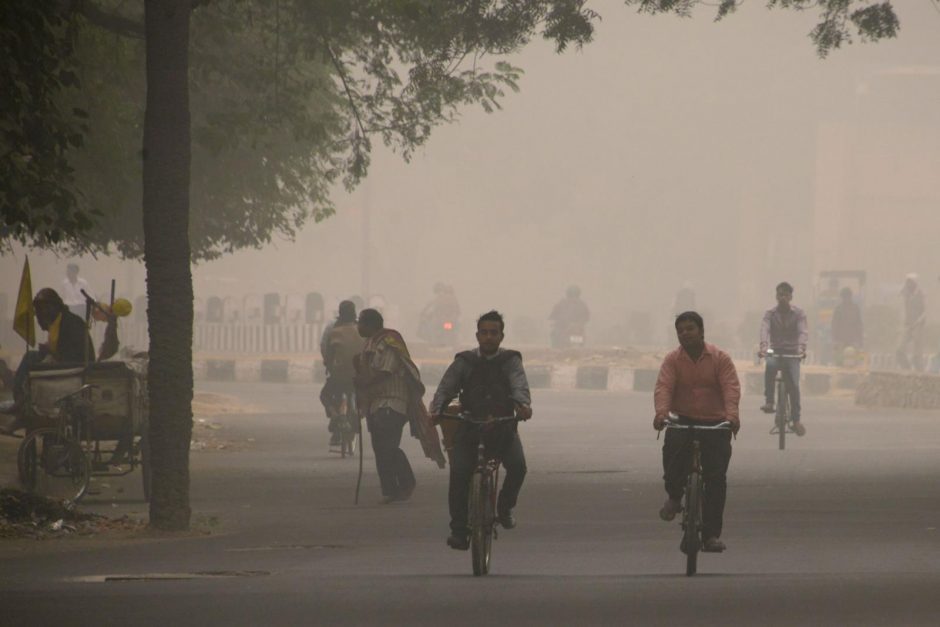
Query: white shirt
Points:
[72, 292]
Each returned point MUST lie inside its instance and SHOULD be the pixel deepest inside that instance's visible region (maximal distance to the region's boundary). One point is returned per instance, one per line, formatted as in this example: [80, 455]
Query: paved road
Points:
[842, 528]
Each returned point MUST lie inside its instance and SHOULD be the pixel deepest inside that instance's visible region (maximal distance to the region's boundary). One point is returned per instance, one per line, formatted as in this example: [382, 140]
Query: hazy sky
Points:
[668, 150]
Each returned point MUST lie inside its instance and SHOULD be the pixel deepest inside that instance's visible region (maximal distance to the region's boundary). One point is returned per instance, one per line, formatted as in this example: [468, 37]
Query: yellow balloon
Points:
[122, 307]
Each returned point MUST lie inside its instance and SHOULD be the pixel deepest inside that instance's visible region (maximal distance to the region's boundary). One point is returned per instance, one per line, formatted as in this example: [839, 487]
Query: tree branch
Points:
[349, 95]
[117, 24]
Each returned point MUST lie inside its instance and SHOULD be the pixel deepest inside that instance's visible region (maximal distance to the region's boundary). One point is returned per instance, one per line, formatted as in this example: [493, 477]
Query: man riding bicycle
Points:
[490, 382]
[699, 383]
[783, 330]
[340, 344]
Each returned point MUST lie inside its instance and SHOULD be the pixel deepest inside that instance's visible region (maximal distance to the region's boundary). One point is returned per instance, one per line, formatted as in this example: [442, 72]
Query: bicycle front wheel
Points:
[481, 525]
[692, 538]
[783, 414]
[52, 465]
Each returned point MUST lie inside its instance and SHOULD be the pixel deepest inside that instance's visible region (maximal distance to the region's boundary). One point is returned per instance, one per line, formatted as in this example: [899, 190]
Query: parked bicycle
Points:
[482, 520]
[783, 417]
[692, 512]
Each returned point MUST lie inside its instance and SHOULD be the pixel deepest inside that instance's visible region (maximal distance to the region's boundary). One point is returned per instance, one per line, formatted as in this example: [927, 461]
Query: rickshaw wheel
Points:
[52, 465]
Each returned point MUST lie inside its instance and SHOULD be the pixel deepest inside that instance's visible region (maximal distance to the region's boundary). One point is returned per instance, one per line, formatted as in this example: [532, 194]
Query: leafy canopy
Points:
[838, 19]
[287, 97]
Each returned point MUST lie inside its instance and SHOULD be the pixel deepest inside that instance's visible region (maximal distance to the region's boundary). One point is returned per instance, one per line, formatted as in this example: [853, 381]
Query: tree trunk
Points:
[167, 258]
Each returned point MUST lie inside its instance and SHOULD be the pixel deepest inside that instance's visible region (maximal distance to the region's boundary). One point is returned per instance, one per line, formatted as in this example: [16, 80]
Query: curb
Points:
[541, 376]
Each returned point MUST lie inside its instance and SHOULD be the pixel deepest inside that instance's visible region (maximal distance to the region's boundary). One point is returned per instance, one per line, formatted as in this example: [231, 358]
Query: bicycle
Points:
[692, 522]
[51, 460]
[484, 481]
[783, 419]
[345, 427]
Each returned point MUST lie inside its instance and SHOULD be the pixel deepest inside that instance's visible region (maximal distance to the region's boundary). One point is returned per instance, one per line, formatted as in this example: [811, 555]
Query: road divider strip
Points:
[892, 389]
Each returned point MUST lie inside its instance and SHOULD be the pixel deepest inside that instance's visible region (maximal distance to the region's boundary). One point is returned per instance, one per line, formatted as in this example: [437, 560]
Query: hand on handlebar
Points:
[523, 412]
[659, 422]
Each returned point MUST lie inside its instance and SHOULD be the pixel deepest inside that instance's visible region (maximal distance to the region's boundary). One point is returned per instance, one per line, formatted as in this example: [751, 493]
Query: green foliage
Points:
[871, 21]
[38, 201]
[286, 98]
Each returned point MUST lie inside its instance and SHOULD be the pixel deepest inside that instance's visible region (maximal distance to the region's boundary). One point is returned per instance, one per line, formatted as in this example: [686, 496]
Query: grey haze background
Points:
[669, 150]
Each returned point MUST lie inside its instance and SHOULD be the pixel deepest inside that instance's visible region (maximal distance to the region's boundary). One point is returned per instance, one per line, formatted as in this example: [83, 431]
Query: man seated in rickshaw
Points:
[69, 343]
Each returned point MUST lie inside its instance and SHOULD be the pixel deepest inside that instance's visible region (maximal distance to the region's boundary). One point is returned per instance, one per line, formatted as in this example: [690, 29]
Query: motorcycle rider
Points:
[439, 318]
[490, 382]
[569, 317]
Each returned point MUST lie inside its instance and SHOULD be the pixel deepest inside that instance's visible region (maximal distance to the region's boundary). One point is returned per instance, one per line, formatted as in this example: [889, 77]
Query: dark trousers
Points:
[791, 374]
[395, 474]
[21, 378]
[463, 460]
[677, 464]
[332, 398]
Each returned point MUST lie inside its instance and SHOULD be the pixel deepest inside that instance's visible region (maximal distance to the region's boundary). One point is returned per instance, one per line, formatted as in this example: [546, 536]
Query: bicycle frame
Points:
[484, 481]
[783, 422]
[692, 509]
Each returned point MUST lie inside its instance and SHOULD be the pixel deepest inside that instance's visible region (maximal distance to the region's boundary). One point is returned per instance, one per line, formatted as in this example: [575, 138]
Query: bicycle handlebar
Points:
[721, 426]
[465, 417]
[770, 353]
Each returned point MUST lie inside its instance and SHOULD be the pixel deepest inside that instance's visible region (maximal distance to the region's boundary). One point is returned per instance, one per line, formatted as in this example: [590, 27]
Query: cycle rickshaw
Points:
[84, 421]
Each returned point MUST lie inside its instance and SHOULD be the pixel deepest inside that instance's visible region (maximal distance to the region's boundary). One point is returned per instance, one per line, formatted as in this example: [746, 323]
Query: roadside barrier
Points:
[229, 338]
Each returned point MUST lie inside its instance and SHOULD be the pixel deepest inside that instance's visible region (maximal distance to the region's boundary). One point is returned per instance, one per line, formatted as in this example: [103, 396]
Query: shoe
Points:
[768, 408]
[713, 545]
[388, 499]
[799, 429]
[506, 520]
[458, 542]
[670, 508]
[405, 494]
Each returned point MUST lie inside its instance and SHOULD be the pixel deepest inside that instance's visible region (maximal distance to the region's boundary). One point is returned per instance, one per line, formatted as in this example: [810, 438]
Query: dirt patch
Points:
[25, 515]
[209, 430]
[209, 435]
[206, 404]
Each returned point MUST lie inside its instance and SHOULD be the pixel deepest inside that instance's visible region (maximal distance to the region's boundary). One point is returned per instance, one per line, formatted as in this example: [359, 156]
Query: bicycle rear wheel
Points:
[481, 525]
[52, 465]
[349, 435]
[783, 414]
[692, 538]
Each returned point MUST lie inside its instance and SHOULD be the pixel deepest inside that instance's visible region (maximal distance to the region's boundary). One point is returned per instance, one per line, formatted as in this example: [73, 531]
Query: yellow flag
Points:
[24, 318]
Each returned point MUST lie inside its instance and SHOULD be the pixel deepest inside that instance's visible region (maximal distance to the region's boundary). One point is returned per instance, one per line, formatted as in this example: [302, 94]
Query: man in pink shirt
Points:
[699, 383]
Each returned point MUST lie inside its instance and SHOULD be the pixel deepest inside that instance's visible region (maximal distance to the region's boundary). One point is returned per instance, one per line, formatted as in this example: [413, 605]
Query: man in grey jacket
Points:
[784, 330]
[490, 382]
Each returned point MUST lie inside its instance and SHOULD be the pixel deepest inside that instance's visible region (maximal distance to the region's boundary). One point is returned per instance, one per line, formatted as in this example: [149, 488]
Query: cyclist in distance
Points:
[490, 382]
[340, 343]
[783, 330]
[699, 383]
